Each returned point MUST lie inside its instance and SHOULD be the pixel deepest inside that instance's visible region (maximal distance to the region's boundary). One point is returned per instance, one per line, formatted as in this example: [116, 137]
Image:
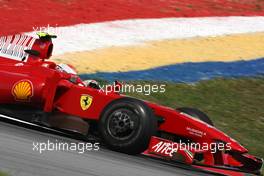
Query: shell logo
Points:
[22, 90]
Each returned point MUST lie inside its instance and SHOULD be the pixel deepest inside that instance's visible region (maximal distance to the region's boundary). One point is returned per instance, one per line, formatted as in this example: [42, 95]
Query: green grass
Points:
[3, 174]
[236, 106]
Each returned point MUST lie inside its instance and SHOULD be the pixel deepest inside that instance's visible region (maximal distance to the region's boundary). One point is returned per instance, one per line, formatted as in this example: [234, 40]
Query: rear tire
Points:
[196, 114]
[126, 125]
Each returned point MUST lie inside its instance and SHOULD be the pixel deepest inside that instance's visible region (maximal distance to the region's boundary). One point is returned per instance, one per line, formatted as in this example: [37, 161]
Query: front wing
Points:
[231, 163]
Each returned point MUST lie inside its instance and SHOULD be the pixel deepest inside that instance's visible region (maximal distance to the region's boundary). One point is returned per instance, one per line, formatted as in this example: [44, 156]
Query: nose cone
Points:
[236, 146]
[230, 142]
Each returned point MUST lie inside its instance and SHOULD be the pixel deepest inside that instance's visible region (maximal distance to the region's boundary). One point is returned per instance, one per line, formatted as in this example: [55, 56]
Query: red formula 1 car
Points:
[39, 91]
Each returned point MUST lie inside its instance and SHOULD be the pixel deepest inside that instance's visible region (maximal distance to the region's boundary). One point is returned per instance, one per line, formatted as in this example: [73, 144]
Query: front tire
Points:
[196, 114]
[126, 125]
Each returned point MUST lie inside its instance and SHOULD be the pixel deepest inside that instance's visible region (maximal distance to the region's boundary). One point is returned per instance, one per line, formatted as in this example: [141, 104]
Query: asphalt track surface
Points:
[18, 158]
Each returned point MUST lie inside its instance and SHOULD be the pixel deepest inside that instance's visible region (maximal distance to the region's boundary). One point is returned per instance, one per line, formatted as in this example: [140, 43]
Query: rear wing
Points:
[14, 47]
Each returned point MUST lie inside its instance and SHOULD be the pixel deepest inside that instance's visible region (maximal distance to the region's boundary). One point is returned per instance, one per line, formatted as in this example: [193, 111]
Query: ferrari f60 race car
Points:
[42, 92]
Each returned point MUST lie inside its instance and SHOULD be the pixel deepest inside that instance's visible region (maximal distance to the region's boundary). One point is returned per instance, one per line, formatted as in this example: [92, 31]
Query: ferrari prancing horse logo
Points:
[86, 101]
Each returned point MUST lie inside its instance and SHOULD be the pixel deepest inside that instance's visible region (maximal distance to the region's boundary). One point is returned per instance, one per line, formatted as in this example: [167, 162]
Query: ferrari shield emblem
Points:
[86, 101]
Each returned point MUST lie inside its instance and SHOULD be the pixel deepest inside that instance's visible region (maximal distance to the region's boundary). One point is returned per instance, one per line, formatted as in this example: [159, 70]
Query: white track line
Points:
[85, 37]
[28, 123]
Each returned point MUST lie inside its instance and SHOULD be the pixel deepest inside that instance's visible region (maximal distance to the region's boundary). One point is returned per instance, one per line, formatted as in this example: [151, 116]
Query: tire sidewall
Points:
[139, 141]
